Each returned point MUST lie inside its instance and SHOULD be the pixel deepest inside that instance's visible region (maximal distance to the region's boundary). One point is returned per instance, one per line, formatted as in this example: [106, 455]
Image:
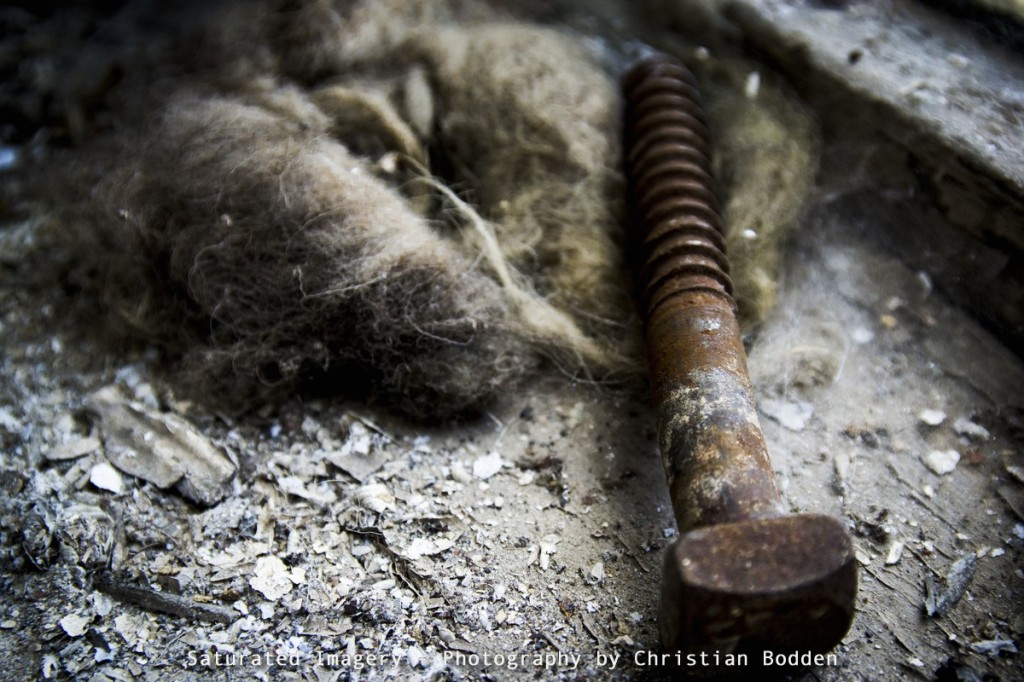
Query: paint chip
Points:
[965, 427]
[863, 336]
[792, 415]
[895, 552]
[941, 461]
[487, 465]
[73, 449]
[753, 85]
[272, 578]
[421, 547]
[105, 477]
[74, 625]
[376, 497]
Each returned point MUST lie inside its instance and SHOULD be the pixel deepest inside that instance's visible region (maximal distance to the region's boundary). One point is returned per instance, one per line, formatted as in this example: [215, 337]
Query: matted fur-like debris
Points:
[422, 199]
[287, 258]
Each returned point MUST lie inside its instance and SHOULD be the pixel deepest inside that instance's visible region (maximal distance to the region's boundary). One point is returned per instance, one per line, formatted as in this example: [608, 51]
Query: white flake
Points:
[101, 604]
[74, 625]
[105, 477]
[72, 449]
[459, 474]
[272, 578]
[487, 465]
[792, 415]
[51, 666]
[548, 546]
[965, 427]
[862, 336]
[421, 547]
[8, 421]
[376, 497]
[941, 461]
[932, 417]
[753, 85]
[319, 494]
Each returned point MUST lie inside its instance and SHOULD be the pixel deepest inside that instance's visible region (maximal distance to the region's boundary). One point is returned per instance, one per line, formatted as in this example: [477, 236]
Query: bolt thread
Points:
[672, 191]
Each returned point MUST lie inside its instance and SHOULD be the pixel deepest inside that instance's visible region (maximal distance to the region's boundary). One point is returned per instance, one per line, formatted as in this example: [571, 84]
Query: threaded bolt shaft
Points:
[711, 441]
[673, 192]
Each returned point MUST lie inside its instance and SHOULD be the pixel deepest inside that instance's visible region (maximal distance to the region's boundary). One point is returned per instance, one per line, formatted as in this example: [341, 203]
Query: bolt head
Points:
[785, 585]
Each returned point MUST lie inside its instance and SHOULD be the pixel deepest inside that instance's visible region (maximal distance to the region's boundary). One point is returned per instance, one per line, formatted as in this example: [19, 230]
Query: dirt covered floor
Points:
[144, 537]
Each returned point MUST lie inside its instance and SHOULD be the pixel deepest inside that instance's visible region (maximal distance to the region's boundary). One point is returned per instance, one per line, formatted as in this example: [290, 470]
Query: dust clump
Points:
[416, 203]
[379, 198]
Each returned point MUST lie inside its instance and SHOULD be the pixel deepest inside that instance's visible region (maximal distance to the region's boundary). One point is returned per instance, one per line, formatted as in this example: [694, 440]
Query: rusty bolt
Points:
[743, 577]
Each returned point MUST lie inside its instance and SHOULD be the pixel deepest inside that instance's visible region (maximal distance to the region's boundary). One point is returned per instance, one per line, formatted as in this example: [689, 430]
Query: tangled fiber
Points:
[418, 198]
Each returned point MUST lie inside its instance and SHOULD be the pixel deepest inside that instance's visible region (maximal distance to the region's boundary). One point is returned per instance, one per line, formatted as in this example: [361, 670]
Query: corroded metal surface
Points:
[743, 577]
[715, 456]
[781, 585]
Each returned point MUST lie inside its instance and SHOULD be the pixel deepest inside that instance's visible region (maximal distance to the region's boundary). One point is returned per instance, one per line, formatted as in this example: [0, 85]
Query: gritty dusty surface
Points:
[866, 47]
[146, 538]
[534, 534]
